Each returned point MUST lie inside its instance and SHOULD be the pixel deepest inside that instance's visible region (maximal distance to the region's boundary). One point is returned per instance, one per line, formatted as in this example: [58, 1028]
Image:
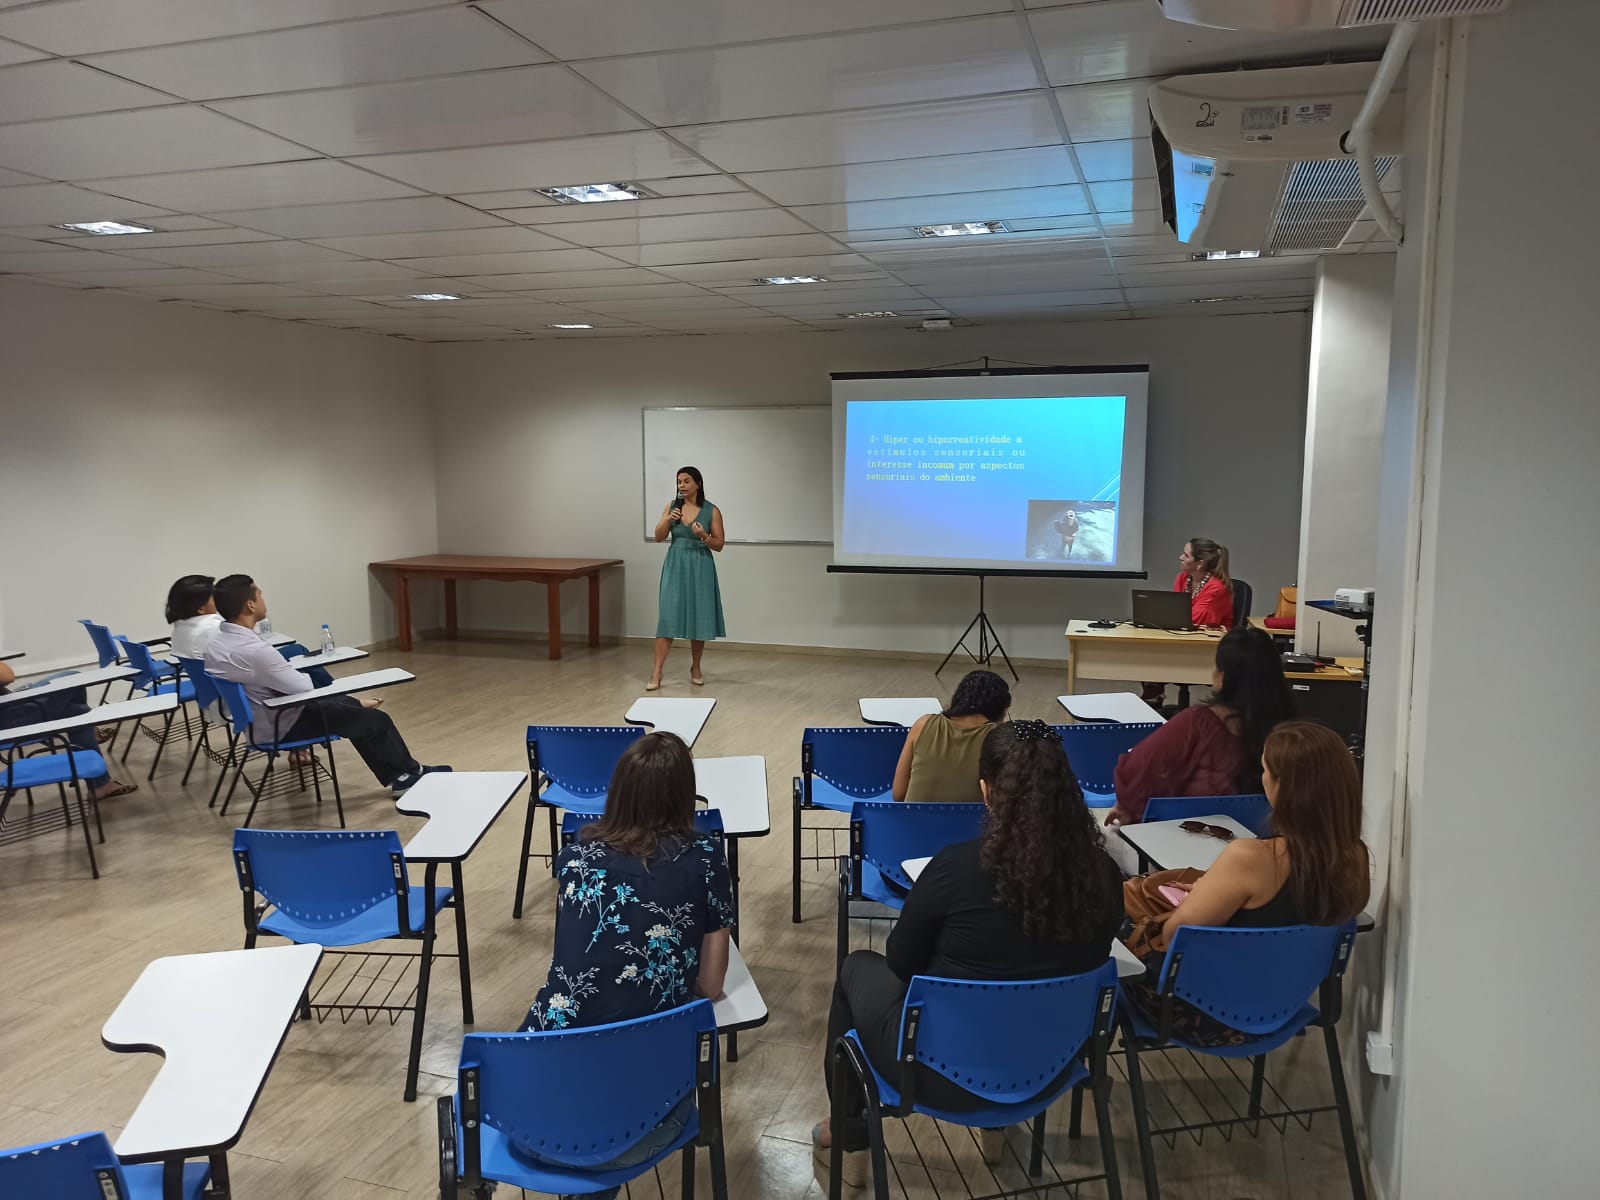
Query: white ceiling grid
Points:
[321, 160]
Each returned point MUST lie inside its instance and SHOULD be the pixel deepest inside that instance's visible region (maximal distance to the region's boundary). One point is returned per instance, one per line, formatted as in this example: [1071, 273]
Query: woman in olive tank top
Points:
[939, 764]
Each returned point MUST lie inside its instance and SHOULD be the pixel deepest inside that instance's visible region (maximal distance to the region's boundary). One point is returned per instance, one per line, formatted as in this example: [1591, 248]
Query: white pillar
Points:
[1345, 395]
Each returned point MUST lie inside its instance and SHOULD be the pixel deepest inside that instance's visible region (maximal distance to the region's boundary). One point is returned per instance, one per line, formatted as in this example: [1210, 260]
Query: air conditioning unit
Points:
[1255, 160]
[1288, 16]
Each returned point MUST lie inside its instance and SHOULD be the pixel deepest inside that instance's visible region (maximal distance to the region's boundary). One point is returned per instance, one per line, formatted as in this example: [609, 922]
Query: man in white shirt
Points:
[192, 613]
[238, 654]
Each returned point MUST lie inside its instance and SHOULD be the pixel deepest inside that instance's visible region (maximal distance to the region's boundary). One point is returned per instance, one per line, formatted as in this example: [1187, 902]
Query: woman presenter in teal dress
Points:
[691, 602]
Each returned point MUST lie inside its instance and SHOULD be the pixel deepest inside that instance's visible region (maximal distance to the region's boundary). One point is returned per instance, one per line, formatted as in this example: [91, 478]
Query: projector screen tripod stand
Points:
[988, 640]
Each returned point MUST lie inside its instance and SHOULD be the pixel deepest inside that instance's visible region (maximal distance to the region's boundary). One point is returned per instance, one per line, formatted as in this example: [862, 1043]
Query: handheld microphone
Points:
[676, 504]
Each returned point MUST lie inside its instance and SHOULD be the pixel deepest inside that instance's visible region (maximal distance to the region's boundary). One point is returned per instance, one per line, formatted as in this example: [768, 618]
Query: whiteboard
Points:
[770, 469]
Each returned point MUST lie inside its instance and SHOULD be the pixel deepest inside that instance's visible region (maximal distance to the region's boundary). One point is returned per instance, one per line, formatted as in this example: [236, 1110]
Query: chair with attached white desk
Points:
[154, 679]
[241, 717]
[64, 764]
[345, 888]
[838, 766]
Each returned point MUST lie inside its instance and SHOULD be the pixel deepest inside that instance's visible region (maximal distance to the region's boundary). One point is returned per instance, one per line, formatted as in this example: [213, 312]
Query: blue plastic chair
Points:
[347, 888]
[156, 678]
[1093, 749]
[573, 764]
[208, 703]
[1253, 812]
[579, 1098]
[883, 834]
[105, 646]
[237, 705]
[1258, 982]
[1018, 1046]
[837, 768]
[706, 820]
[84, 1167]
[23, 773]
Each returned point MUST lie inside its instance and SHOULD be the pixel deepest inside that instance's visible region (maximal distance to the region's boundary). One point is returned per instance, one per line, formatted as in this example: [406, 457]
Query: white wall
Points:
[1496, 1056]
[1345, 398]
[141, 441]
[539, 454]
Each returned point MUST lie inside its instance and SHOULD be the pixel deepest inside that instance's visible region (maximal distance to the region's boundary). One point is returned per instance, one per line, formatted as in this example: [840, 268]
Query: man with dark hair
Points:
[238, 654]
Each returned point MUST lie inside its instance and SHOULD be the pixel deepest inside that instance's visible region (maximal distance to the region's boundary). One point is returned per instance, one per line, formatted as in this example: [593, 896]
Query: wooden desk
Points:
[1161, 655]
[552, 572]
[218, 1021]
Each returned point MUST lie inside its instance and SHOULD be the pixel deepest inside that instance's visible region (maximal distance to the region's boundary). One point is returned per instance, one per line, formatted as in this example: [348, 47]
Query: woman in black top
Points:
[1035, 897]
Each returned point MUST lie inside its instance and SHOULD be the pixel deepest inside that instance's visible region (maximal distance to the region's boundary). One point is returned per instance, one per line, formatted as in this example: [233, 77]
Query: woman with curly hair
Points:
[939, 762]
[1035, 897]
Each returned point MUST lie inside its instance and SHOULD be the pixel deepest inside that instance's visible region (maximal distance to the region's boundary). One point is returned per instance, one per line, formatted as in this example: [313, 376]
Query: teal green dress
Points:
[691, 601]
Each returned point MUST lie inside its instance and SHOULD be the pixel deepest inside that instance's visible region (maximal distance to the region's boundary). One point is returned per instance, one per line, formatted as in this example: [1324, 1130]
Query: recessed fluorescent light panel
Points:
[792, 279]
[1220, 255]
[863, 316]
[572, 327]
[960, 229]
[106, 228]
[594, 193]
[433, 296]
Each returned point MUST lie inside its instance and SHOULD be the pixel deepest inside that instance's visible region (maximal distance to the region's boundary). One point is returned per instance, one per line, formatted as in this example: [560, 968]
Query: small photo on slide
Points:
[1072, 531]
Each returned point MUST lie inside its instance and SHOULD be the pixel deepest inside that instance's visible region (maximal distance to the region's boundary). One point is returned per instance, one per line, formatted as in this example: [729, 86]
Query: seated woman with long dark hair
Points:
[1035, 897]
[192, 613]
[644, 904]
[1314, 870]
[1211, 749]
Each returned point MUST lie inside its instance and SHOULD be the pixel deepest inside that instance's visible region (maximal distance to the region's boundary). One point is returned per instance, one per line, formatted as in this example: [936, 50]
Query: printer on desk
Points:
[1353, 600]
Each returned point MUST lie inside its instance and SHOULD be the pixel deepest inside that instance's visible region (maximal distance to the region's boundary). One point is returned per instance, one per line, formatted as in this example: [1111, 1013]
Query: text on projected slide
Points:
[1035, 480]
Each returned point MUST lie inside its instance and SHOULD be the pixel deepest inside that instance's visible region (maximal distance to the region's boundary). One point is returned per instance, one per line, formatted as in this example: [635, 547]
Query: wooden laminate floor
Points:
[331, 1123]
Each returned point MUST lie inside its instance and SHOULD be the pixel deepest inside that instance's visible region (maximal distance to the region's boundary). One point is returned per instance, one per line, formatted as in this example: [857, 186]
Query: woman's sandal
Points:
[653, 685]
[697, 679]
[852, 1172]
[119, 789]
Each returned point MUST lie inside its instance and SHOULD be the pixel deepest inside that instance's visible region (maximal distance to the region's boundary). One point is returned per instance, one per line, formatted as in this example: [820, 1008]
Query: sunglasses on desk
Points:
[1221, 833]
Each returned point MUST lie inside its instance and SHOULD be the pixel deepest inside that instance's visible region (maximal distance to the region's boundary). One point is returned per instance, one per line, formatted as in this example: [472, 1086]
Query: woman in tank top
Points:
[1314, 870]
[939, 764]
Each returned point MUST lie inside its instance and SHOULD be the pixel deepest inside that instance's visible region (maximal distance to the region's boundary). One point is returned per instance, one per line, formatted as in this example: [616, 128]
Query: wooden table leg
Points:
[450, 609]
[594, 609]
[1072, 669]
[553, 595]
[402, 614]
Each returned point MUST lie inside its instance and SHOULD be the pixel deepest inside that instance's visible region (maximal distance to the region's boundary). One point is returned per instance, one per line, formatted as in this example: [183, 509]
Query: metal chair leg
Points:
[1258, 1077]
[420, 1013]
[794, 866]
[688, 1154]
[522, 863]
[459, 900]
[333, 774]
[1347, 1125]
[260, 788]
[1108, 1143]
[201, 741]
[1141, 1118]
[1036, 1149]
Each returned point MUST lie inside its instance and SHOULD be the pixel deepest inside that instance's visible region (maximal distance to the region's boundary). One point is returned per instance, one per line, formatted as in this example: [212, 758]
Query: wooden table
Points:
[218, 1021]
[1164, 655]
[552, 572]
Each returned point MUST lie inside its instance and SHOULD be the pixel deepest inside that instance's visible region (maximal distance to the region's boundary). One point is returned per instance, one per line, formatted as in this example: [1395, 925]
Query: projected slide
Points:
[1024, 481]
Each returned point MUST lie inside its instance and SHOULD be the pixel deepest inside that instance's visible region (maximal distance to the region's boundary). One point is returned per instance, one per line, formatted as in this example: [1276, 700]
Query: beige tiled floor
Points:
[331, 1122]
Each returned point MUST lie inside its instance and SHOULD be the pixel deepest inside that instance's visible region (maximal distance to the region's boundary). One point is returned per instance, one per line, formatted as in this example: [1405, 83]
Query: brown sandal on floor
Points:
[118, 789]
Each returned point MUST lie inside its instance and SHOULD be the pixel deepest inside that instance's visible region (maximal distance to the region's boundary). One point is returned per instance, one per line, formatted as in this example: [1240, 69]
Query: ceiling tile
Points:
[1219, 288]
[13, 178]
[1103, 112]
[312, 272]
[1141, 232]
[507, 264]
[436, 243]
[1031, 166]
[1116, 160]
[858, 70]
[664, 289]
[64, 89]
[309, 181]
[59, 259]
[241, 254]
[936, 210]
[365, 217]
[1126, 195]
[833, 266]
[437, 42]
[569, 28]
[177, 138]
[563, 162]
[691, 185]
[10, 53]
[646, 230]
[724, 250]
[235, 295]
[201, 237]
[56, 203]
[87, 26]
[148, 277]
[517, 104]
[543, 280]
[1126, 39]
[666, 206]
[914, 131]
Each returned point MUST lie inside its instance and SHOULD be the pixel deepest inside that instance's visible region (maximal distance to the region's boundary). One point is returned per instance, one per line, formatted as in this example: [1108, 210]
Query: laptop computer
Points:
[1162, 609]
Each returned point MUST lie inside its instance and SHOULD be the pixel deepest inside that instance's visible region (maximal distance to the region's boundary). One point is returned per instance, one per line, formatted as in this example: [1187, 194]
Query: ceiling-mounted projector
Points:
[1256, 160]
[1288, 16]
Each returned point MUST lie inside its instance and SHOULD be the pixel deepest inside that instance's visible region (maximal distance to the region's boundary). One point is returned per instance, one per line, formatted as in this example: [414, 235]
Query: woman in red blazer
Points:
[1203, 573]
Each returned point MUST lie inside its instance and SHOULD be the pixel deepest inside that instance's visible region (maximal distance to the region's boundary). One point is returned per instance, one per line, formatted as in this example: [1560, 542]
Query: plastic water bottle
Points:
[327, 640]
[264, 627]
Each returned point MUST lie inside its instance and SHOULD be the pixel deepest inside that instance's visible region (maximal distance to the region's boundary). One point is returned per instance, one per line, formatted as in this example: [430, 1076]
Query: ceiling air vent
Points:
[1388, 12]
[1321, 200]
